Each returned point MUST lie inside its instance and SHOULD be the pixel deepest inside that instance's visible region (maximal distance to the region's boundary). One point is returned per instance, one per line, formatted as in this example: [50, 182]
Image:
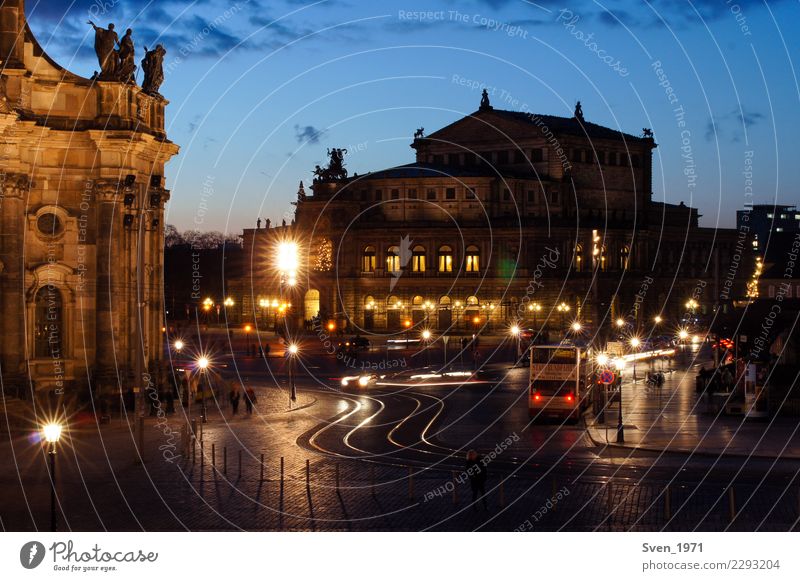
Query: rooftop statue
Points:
[127, 64]
[335, 170]
[105, 41]
[153, 67]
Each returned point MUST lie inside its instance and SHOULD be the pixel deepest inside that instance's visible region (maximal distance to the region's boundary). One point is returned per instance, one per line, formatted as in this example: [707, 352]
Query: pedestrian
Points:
[249, 400]
[235, 396]
[727, 380]
[477, 472]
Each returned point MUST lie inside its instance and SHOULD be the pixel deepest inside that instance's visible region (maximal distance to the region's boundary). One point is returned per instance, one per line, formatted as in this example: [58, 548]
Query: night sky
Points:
[259, 89]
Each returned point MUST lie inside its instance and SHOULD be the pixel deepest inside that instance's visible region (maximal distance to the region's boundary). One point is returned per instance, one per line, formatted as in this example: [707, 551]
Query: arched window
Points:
[578, 262]
[444, 301]
[417, 301]
[472, 301]
[624, 255]
[473, 256]
[445, 259]
[392, 302]
[418, 259]
[393, 259]
[49, 323]
[368, 259]
[369, 303]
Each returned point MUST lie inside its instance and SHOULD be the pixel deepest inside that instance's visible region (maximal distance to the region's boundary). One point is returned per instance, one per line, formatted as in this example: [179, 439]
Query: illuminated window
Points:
[418, 259]
[445, 259]
[368, 261]
[49, 324]
[624, 255]
[578, 258]
[393, 259]
[473, 259]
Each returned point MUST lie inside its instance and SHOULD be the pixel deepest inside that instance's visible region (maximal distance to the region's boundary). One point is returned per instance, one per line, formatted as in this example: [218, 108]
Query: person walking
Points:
[477, 472]
[249, 400]
[235, 396]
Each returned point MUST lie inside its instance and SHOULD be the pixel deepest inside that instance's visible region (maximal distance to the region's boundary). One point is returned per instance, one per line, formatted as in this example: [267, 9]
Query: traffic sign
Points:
[607, 377]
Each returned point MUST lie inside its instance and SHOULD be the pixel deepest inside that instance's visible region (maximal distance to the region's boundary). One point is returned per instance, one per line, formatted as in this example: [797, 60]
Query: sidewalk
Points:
[673, 419]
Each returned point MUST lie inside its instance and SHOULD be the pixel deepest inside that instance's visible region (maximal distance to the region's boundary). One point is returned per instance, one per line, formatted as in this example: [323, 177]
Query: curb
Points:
[701, 453]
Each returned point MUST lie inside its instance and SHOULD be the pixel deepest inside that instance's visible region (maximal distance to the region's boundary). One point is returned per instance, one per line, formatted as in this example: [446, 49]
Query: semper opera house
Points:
[503, 217]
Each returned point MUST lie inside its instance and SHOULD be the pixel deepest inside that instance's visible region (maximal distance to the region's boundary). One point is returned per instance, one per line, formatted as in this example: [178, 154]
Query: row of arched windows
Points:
[599, 258]
[397, 260]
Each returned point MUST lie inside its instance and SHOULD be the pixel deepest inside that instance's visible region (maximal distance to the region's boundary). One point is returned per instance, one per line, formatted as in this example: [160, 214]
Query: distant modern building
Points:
[81, 223]
[761, 221]
[503, 217]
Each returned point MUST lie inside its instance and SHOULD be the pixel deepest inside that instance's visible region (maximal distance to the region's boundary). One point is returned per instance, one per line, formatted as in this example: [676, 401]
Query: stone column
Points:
[12, 33]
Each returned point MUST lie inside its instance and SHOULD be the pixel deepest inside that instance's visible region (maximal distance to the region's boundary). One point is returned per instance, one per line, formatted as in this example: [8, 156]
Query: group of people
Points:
[249, 400]
[719, 380]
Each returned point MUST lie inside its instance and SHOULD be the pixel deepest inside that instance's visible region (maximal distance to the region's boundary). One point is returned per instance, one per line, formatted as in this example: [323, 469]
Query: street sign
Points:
[607, 377]
[445, 339]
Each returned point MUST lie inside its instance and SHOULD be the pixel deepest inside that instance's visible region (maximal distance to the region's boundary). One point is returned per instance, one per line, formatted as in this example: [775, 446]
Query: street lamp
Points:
[202, 364]
[576, 327]
[658, 320]
[178, 345]
[515, 333]
[288, 262]
[292, 358]
[619, 363]
[52, 434]
[426, 337]
[602, 359]
[534, 308]
[562, 308]
[635, 345]
[247, 329]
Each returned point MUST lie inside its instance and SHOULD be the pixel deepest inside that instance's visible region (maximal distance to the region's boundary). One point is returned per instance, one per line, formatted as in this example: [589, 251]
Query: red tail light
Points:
[537, 397]
[569, 397]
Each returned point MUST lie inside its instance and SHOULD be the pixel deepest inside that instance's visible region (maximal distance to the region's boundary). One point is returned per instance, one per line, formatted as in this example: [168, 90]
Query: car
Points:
[363, 380]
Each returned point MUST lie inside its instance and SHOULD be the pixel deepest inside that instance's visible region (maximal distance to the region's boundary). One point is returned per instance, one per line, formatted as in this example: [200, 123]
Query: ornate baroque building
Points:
[503, 216]
[81, 221]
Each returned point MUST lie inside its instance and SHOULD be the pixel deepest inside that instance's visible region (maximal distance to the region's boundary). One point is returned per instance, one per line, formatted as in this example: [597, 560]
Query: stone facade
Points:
[81, 191]
[503, 217]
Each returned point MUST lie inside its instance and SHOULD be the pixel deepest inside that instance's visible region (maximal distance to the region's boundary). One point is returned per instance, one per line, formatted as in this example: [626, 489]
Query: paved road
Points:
[387, 457]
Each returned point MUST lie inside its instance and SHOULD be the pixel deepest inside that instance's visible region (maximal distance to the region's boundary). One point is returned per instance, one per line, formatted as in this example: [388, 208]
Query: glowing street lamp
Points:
[293, 350]
[229, 302]
[203, 364]
[562, 308]
[635, 343]
[178, 345]
[619, 363]
[620, 322]
[516, 334]
[576, 327]
[602, 359]
[658, 320]
[52, 434]
[426, 337]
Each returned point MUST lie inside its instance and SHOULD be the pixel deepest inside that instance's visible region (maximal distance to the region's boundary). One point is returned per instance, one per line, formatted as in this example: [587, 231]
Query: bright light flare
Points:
[52, 432]
[203, 362]
[514, 330]
[288, 258]
[602, 359]
[178, 345]
[293, 349]
[426, 334]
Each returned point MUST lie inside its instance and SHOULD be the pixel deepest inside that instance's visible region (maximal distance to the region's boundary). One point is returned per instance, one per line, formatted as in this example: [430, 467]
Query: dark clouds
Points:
[732, 126]
[308, 134]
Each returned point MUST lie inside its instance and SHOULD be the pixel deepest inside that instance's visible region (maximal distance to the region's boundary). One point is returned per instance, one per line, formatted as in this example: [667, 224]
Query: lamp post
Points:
[288, 262]
[620, 365]
[635, 346]
[202, 364]
[292, 358]
[178, 345]
[426, 337]
[602, 362]
[247, 329]
[563, 309]
[52, 434]
[515, 333]
[534, 308]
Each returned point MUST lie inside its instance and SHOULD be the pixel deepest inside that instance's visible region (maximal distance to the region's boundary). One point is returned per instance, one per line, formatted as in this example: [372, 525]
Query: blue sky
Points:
[259, 89]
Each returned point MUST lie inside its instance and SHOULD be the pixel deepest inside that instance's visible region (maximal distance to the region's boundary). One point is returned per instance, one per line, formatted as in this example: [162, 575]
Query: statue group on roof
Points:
[117, 59]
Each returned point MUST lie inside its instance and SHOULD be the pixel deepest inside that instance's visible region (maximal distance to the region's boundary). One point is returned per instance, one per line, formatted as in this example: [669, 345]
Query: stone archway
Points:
[311, 304]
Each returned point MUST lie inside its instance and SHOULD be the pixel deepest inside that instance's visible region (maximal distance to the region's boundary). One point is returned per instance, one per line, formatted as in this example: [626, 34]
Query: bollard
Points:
[337, 477]
[308, 473]
[225, 460]
[667, 504]
[731, 503]
[202, 454]
[141, 437]
[261, 479]
[201, 431]
[194, 428]
[194, 450]
[410, 483]
[281, 472]
[214, 455]
[455, 488]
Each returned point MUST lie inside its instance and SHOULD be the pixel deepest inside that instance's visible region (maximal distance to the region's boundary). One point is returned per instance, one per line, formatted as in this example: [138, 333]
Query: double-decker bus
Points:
[559, 386]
